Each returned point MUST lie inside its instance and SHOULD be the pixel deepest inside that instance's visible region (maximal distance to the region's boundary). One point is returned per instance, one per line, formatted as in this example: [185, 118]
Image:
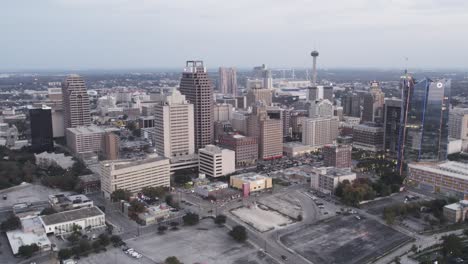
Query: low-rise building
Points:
[210, 189]
[62, 202]
[133, 175]
[45, 160]
[250, 182]
[456, 212]
[63, 222]
[294, 149]
[155, 214]
[326, 179]
[449, 178]
[31, 232]
[215, 161]
[338, 156]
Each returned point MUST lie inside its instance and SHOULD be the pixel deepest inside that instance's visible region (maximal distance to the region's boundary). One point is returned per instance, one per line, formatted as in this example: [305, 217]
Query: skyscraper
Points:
[320, 131]
[41, 129]
[227, 82]
[424, 121]
[269, 132]
[373, 104]
[392, 117]
[75, 102]
[174, 126]
[198, 90]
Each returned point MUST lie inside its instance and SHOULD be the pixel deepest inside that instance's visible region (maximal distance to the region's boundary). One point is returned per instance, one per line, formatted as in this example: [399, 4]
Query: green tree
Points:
[48, 211]
[220, 219]
[121, 194]
[452, 245]
[191, 219]
[116, 240]
[182, 179]
[73, 238]
[27, 250]
[65, 253]
[154, 192]
[84, 245]
[11, 223]
[96, 245]
[104, 240]
[137, 207]
[172, 260]
[239, 233]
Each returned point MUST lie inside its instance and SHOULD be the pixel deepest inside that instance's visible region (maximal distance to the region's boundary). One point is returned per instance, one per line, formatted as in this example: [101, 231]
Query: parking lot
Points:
[344, 239]
[204, 243]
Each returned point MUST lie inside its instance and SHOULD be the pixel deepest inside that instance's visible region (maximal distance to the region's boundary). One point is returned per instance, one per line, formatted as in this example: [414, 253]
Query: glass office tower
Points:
[424, 117]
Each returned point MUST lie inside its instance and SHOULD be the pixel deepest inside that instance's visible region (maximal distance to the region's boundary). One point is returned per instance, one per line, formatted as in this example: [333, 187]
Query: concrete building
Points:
[42, 138]
[174, 126]
[215, 161]
[75, 102]
[31, 232]
[45, 159]
[63, 222]
[227, 82]
[250, 182]
[449, 178]
[392, 116]
[255, 95]
[110, 146]
[133, 175]
[295, 149]
[223, 112]
[154, 214]
[318, 132]
[210, 189]
[198, 90]
[352, 103]
[326, 179]
[458, 123]
[322, 108]
[269, 132]
[373, 104]
[245, 148]
[456, 212]
[85, 139]
[368, 137]
[338, 156]
[63, 202]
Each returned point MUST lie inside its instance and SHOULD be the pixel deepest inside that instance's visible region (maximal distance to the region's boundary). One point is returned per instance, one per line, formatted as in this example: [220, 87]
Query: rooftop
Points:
[334, 172]
[122, 164]
[72, 215]
[86, 130]
[448, 168]
[250, 176]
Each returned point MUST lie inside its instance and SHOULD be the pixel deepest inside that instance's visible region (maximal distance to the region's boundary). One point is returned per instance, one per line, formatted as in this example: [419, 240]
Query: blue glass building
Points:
[423, 132]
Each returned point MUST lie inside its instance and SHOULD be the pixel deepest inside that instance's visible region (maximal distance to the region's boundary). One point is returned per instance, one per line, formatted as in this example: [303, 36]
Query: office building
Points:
[133, 175]
[321, 108]
[448, 178]
[352, 104]
[320, 131]
[198, 90]
[227, 82]
[85, 139]
[294, 149]
[424, 123]
[338, 156]
[42, 138]
[250, 182]
[245, 148]
[62, 202]
[222, 112]
[326, 179]
[175, 126]
[111, 146]
[215, 161]
[392, 116]
[63, 223]
[373, 103]
[328, 93]
[269, 132]
[316, 93]
[255, 95]
[368, 137]
[456, 212]
[75, 102]
[458, 123]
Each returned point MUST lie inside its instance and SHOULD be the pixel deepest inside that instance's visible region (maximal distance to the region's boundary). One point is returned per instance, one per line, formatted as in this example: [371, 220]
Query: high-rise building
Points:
[265, 74]
[82, 140]
[215, 161]
[458, 123]
[198, 90]
[321, 108]
[174, 126]
[392, 116]
[269, 132]
[75, 102]
[373, 104]
[338, 156]
[111, 144]
[246, 148]
[320, 131]
[352, 104]
[222, 112]
[41, 129]
[227, 82]
[424, 123]
[256, 95]
[368, 137]
[328, 93]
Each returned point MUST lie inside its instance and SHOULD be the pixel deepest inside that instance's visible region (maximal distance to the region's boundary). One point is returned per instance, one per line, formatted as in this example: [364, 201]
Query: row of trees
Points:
[435, 207]
[16, 166]
[83, 246]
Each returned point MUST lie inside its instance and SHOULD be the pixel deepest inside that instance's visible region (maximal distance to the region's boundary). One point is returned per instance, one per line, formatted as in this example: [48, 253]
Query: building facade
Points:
[215, 161]
[368, 137]
[246, 148]
[392, 117]
[63, 223]
[111, 146]
[269, 132]
[75, 102]
[42, 138]
[338, 156]
[227, 82]
[85, 139]
[326, 179]
[319, 131]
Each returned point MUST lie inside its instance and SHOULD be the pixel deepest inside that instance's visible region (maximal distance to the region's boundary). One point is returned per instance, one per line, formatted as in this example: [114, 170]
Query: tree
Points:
[239, 233]
[162, 229]
[84, 245]
[137, 207]
[414, 248]
[220, 219]
[452, 245]
[13, 222]
[154, 192]
[28, 250]
[96, 246]
[73, 238]
[121, 194]
[182, 179]
[64, 253]
[191, 219]
[172, 260]
[116, 240]
[389, 215]
[104, 240]
[48, 211]
[170, 201]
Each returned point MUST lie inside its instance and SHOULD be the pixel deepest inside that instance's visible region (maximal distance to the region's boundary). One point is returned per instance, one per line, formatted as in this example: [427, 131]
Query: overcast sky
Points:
[113, 34]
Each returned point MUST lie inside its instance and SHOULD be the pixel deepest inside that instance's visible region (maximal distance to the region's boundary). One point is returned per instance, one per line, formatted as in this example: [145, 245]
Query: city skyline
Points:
[150, 34]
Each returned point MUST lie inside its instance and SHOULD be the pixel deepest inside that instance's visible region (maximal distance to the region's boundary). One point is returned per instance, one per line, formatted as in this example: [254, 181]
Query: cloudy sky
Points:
[117, 34]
